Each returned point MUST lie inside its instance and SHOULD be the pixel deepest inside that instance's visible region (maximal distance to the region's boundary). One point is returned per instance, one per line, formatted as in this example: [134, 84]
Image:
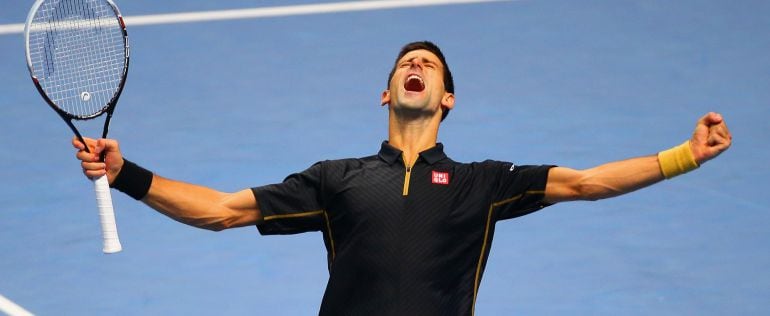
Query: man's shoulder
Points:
[351, 159]
[477, 164]
[499, 167]
[349, 162]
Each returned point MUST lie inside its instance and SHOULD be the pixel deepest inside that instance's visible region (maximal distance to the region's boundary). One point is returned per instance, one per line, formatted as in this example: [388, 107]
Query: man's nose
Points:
[416, 63]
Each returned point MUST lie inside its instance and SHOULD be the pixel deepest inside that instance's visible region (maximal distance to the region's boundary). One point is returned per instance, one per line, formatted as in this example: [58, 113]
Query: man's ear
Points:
[385, 98]
[448, 101]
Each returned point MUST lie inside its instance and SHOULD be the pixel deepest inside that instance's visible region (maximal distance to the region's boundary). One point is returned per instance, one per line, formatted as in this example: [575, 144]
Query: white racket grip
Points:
[107, 215]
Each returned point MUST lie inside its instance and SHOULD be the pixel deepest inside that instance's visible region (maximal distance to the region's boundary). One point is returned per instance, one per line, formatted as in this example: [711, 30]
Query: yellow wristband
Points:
[677, 160]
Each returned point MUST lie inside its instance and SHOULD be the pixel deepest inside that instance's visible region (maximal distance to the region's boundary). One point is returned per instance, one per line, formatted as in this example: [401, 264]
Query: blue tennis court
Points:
[240, 103]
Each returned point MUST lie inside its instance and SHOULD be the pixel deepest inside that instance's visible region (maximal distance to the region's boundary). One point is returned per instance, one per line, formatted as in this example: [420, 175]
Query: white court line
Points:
[264, 12]
[11, 309]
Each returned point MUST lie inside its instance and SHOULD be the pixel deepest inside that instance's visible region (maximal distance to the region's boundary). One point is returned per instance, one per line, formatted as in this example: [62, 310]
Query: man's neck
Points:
[412, 136]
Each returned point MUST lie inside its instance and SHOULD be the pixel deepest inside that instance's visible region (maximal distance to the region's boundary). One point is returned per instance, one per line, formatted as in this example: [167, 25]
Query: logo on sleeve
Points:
[440, 177]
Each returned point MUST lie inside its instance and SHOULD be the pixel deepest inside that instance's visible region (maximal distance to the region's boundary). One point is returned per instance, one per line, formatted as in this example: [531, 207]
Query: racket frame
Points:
[109, 108]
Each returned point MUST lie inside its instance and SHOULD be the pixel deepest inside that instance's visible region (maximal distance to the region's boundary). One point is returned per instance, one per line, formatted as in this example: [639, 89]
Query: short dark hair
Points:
[449, 84]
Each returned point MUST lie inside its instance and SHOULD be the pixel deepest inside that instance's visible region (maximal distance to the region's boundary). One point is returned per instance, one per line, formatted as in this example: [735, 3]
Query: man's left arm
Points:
[710, 138]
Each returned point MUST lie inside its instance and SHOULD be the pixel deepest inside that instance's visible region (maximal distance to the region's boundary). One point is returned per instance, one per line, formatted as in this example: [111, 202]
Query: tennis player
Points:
[407, 230]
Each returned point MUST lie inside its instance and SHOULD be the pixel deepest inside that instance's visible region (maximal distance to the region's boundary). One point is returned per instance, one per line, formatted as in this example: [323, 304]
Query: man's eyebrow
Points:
[423, 59]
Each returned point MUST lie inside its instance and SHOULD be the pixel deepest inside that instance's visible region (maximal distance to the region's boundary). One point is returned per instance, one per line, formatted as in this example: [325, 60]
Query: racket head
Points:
[77, 53]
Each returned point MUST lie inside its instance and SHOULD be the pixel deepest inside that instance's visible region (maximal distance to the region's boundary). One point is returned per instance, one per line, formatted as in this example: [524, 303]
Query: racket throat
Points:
[77, 133]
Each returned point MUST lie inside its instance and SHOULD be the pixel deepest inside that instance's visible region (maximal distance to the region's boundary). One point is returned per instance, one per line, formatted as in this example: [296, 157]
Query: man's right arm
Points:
[187, 203]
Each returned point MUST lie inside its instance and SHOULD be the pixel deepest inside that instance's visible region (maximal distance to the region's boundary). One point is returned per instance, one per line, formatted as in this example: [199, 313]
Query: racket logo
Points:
[85, 96]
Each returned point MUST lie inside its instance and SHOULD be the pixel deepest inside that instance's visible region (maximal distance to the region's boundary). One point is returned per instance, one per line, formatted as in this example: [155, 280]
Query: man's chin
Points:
[414, 110]
[414, 100]
[418, 106]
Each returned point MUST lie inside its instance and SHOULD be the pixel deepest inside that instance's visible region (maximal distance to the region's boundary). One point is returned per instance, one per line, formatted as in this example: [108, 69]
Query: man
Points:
[408, 230]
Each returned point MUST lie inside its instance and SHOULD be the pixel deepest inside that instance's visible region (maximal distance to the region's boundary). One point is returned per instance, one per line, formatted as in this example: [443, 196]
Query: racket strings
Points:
[78, 54]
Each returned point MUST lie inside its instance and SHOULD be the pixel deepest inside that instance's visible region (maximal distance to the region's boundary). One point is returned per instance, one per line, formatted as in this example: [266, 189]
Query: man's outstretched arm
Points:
[187, 203]
[710, 138]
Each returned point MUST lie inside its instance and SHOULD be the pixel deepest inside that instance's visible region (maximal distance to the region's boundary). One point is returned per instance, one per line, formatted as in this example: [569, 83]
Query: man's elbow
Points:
[227, 218]
[209, 224]
[216, 227]
[588, 191]
[218, 219]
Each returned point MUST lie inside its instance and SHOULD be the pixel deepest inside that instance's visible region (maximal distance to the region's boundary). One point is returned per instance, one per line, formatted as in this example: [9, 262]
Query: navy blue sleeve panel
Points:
[294, 205]
[520, 189]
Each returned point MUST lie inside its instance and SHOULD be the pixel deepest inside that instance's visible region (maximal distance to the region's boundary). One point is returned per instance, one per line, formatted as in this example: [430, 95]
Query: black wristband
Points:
[133, 180]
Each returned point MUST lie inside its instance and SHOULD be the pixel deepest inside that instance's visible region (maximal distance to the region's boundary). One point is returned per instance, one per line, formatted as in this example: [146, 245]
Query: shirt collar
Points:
[392, 154]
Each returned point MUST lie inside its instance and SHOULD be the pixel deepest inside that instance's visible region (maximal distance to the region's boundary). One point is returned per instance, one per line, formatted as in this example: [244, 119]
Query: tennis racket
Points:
[77, 55]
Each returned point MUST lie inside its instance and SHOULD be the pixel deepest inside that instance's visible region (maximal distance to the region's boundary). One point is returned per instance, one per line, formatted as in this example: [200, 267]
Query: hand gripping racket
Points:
[77, 54]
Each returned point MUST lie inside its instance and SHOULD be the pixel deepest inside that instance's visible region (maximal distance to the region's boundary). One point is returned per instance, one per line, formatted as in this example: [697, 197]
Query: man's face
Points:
[417, 84]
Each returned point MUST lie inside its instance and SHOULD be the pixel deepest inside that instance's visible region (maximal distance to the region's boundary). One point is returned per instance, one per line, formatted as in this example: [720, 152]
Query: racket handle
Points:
[107, 215]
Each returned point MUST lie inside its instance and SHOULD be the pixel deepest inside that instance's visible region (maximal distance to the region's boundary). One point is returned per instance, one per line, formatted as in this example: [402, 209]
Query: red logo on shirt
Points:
[440, 178]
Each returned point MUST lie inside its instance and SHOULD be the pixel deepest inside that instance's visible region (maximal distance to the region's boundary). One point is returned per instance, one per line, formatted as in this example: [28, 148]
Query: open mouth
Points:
[414, 84]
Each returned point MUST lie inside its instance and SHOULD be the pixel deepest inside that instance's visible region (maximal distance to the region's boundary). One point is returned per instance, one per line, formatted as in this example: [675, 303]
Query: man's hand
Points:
[711, 138]
[90, 161]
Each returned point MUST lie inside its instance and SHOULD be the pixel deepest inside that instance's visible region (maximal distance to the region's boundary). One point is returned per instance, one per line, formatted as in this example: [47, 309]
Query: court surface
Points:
[240, 103]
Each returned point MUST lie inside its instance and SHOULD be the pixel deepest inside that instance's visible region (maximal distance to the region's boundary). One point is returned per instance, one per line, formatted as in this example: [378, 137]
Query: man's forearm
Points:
[201, 206]
[620, 177]
[186, 203]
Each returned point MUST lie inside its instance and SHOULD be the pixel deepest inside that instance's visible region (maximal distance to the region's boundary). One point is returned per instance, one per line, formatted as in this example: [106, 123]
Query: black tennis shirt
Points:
[402, 240]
